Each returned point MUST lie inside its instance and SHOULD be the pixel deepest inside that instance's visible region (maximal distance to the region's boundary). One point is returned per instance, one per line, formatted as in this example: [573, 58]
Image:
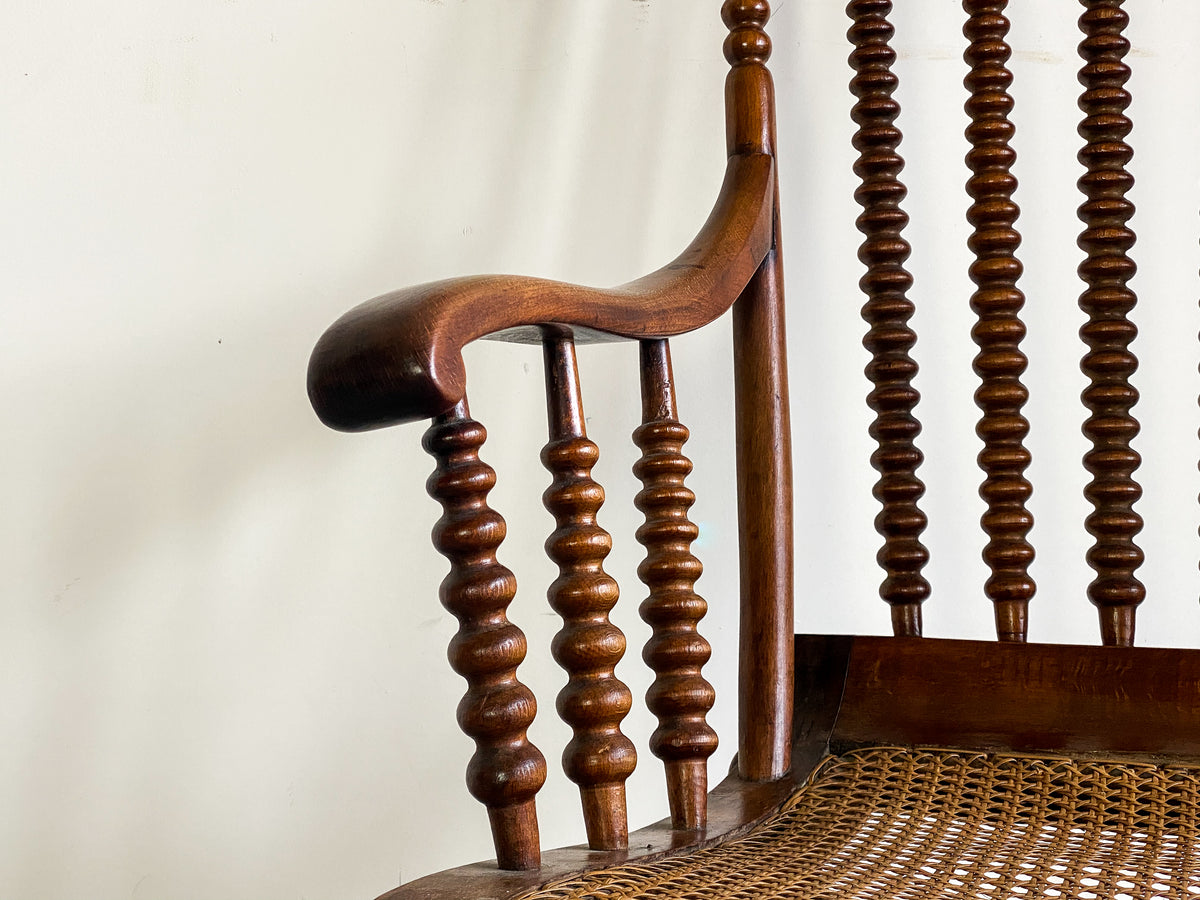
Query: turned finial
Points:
[747, 41]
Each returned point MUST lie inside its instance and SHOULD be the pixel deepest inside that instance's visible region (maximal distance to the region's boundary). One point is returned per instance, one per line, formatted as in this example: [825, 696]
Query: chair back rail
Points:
[1138, 702]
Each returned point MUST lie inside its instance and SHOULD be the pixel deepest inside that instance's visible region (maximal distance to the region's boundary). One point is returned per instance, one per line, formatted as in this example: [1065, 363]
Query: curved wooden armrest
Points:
[398, 358]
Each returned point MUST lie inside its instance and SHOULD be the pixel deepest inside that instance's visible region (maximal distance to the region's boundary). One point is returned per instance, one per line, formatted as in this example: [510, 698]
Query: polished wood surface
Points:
[997, 302]
[599, 758]
[1034, 698]
[749, 89]
[506, 770]
[1132, 703]
[680, 697]
[398, 358]
[887, 311]
[762, 427]
[1108, 299]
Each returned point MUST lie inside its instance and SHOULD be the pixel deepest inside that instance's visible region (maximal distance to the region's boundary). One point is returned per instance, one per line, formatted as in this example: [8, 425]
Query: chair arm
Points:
[398, 358]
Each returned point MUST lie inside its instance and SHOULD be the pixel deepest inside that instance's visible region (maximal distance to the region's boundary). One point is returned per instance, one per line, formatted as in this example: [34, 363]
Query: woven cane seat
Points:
[894, 823]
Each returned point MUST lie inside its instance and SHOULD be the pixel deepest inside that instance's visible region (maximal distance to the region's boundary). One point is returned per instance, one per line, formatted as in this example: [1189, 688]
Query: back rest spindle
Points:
[680, 696]
[887, 311]
[1109, 363]
[997, 303]
[506, 770]
[598, 758]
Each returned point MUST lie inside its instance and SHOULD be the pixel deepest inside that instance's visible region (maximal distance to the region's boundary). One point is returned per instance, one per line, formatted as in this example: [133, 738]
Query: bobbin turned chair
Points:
[881, 767]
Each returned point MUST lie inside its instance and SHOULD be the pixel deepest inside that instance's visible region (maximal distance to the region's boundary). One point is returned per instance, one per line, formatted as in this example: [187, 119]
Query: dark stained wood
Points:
[887, 311]
[822, 661]
[506, 770]
[1139, 703]
[764, 479]
[398, 358]
[1031, 698]
[1109, 363]
[599, 758]
[680, 696]
[749, 89]
[997, 302]
[762, 431]
[734, 806]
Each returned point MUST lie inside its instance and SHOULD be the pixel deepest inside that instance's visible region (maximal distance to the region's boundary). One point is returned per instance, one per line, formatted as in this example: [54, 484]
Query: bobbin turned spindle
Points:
[506, 770]
[997, 302]
[887, 311]
[1108, 299]
[599, 758]
[680, 696]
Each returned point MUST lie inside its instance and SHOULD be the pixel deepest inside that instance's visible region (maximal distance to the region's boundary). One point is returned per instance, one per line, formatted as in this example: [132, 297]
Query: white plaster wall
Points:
[222, 666]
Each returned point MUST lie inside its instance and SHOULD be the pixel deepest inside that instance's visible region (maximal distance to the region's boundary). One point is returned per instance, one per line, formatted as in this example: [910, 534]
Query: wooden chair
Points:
[866, 767]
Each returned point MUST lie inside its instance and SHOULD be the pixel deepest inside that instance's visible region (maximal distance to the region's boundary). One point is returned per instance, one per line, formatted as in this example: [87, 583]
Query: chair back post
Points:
[763, 431]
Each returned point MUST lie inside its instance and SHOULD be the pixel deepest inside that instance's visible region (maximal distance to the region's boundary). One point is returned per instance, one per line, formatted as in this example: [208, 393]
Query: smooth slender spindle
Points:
[999, 330]
[599, 758]
[887, 311]
[1107, 300]
[680, 696]
[506, 770]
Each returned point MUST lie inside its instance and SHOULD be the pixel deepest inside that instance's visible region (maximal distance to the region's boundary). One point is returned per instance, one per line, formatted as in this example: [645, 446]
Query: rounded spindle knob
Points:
[747, 41]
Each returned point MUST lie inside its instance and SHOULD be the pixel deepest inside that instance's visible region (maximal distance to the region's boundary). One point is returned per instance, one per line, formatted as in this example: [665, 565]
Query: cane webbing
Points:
[894, 823]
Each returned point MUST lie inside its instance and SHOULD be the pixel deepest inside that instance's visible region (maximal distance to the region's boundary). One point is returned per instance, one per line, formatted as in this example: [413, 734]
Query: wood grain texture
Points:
[1107, 300]
[763, 447]
[506, 770]
[398, 358]
[887, 311]
[1031, 698]
[762, 431]
[749, 89]
[997, 302]
[599, 758]
[680, 697]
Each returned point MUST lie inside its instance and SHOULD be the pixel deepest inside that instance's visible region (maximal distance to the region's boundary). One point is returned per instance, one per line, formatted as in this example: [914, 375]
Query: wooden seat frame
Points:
[398, 359]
